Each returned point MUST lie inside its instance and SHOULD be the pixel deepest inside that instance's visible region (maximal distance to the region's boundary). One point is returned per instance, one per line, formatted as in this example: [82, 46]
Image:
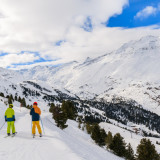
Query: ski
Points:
[13, 135]
[6, 136]
[34, 136]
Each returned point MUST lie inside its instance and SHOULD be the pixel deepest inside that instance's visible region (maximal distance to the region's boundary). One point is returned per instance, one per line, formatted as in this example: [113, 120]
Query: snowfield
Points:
[70, 144]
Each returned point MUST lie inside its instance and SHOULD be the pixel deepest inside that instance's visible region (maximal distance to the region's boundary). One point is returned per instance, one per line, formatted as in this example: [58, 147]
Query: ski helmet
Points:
[10, 105]
[35, 103]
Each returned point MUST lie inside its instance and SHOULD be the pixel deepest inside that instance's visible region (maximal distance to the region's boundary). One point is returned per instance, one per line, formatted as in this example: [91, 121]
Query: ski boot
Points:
[40, 134]
[13, 134]
[8, 134]
[34, 135]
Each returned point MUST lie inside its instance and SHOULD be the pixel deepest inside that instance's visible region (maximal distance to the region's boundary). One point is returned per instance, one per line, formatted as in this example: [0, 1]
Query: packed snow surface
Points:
[70, 144]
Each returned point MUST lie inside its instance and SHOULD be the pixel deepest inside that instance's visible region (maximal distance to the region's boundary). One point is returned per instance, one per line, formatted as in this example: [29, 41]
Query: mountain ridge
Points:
[119, 73]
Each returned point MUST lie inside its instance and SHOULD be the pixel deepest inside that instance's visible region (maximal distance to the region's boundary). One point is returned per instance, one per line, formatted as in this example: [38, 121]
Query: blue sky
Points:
[53, 32]
[127, 18]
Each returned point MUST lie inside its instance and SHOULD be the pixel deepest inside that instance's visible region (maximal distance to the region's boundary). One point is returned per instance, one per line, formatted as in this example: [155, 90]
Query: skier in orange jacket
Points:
[35, 113]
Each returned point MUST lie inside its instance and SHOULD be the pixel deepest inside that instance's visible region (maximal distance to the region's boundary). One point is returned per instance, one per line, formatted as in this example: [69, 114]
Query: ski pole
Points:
[31, 125]
[2, 126]
[42, 126]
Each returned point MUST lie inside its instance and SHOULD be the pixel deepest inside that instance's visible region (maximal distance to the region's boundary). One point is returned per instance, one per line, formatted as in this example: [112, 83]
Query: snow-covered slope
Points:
[128, 77]
[70, 144]
[128, 136]
[131, 72]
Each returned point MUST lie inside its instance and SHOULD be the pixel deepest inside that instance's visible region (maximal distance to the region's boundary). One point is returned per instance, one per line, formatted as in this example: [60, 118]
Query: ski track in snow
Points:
[68, 144]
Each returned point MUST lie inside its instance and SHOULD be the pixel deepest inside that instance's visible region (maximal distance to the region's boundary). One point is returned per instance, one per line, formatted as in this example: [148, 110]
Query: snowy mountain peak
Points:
[144, 45]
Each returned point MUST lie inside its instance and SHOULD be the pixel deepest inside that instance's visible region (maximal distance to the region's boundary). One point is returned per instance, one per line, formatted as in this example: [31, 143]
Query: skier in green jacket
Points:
[10, 118]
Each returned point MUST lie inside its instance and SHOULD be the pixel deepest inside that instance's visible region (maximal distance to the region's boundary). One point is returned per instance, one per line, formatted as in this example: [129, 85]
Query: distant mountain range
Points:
[130, 75]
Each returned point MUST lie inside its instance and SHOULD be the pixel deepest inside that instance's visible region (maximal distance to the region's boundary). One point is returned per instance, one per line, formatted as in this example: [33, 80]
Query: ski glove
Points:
[6, 120]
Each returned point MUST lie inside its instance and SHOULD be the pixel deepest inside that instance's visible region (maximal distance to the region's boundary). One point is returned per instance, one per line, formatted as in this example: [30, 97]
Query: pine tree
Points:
[103, 136]
[146, 150]
[95, 135]
[83, 126]
[89, 128]
[15, 98]
[79, 119]
[52, 106]
[69, 108]
[98, 135]
[7, 96]
[60, 117]
[79, 122]
[108, 139]
[1, 94]
[129, 153]
[10, 99]
[19, 99]
[118, 145]
[27, 106]
[79, 125]
[23, 102]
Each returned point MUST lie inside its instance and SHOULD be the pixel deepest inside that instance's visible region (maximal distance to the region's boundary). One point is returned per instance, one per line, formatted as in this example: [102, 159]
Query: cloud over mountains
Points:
[57, 29]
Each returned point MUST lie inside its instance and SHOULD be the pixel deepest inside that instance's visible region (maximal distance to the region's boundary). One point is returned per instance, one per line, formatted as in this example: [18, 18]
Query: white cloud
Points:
[102, 39]
[146, 12]
[9, 59]
[36, 25]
